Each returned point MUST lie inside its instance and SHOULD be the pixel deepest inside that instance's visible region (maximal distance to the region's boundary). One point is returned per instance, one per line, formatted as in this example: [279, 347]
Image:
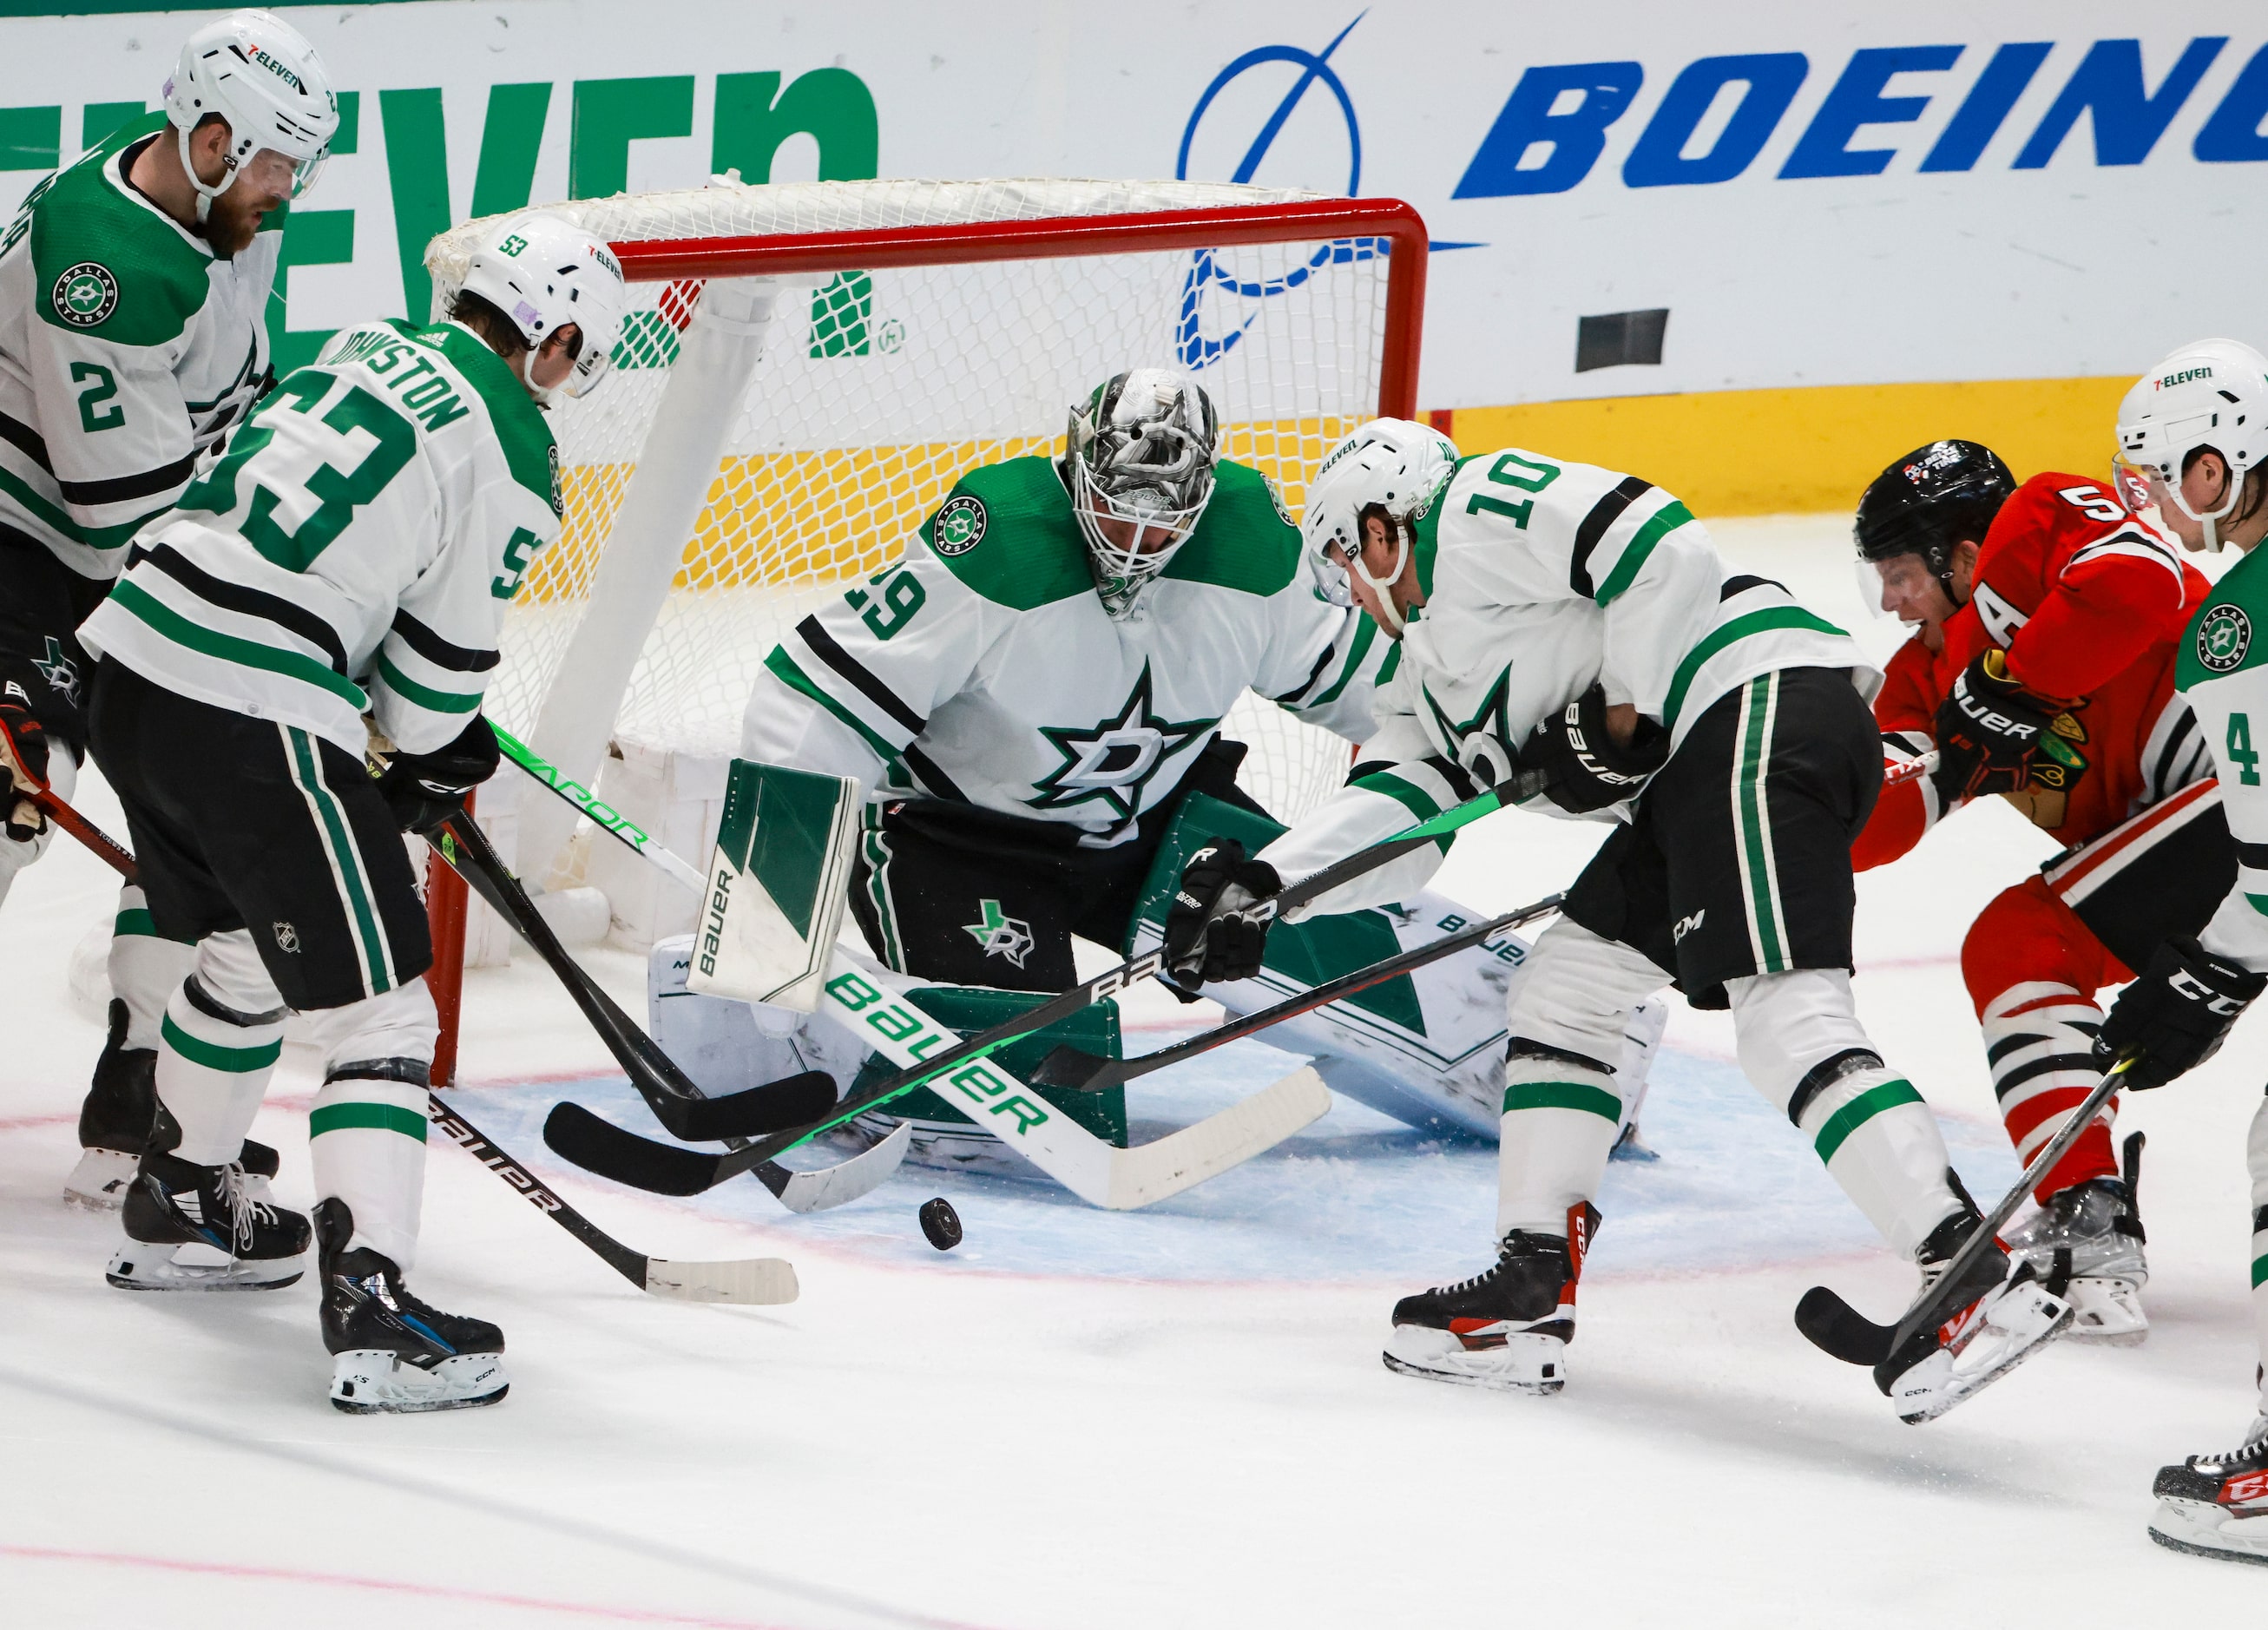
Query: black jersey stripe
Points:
[248, 601]
[930, 775]
[1603, 514]
[1314, 677]
[824, 647]
[2169, 754]
[1743, 583]
[121, 489]
[439, 652]
[2252, 857]
[26, 441]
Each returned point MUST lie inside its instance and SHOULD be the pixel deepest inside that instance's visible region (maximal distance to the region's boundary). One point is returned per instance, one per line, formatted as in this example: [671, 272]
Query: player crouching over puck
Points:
[1575, 620]
[352, 554]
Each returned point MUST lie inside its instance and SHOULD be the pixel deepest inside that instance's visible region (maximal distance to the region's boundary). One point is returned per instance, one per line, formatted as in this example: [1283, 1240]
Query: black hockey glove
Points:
[1989, 730]
[2176, 1015]
[1205, 942]
[1584, 770]
[425, 789]
[23, 769]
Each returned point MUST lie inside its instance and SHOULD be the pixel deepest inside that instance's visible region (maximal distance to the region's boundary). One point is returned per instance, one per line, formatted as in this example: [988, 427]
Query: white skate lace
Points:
[245, 1212]
[2252, 1442]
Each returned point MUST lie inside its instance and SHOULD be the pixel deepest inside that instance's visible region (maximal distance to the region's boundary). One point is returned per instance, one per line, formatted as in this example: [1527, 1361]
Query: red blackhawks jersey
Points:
[2089, 602]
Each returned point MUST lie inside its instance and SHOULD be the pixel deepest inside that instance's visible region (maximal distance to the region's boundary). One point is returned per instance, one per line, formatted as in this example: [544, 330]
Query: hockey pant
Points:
[2037, 954]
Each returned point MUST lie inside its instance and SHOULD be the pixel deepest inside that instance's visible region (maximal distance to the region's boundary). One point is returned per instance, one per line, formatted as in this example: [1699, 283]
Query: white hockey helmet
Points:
[1138, 459]
[1398, 465]
[265, 81]
[543, 272]
[2208, 394]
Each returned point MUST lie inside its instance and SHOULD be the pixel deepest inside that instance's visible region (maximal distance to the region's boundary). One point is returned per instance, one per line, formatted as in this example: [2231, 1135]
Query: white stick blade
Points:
[756, 1281]
[847, 1180]
[1154, 1171]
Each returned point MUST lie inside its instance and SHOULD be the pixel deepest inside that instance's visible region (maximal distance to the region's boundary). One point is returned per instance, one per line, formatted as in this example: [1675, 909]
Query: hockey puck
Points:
[940, 1223]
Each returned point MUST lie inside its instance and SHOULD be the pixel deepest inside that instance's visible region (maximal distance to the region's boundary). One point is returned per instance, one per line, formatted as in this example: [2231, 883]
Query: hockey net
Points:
[919, 329]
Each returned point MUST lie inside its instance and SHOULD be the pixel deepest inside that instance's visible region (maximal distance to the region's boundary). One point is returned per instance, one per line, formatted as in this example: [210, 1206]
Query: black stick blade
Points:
[1071, 1066]
[1839, 1329]
[772, 1107]
[576, 1135]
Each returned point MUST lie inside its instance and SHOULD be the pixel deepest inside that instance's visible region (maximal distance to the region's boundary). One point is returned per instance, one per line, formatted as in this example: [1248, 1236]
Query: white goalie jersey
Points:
[1540, 578]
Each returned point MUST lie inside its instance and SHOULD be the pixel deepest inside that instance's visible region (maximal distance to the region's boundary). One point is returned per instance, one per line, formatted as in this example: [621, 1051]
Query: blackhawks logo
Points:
[960, 526]
[2224, 635]
[85, 294]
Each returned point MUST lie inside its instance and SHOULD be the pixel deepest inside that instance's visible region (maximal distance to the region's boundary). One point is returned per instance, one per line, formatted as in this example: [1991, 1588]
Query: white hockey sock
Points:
[368, 1140]
[1560, 1119]
[213, 1065]
[145, 971]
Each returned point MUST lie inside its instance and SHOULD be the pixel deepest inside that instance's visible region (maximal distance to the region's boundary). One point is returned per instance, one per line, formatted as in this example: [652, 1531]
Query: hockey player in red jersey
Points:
[2041, 671]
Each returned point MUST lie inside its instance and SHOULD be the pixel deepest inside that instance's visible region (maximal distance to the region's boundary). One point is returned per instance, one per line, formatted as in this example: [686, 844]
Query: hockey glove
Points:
[24, 760]
[1205, 940]
[1584, 769]
[2176, 1015]
[425, 789]
[1989, 730]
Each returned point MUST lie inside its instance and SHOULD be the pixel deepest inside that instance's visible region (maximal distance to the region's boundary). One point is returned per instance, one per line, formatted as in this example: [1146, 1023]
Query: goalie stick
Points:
[676, 1102]
[752, 1282]
[1839, 1329]
[1070, 1066]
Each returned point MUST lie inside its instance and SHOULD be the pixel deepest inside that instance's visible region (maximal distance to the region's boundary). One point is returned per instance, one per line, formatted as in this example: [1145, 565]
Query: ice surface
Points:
[1129, 1420]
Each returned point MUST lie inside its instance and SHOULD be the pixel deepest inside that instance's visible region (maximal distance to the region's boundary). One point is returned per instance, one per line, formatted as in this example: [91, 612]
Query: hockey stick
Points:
[1898, 774]
[1839, 1329]
[754, 1280]
[677, 1102]
[1069, 1067]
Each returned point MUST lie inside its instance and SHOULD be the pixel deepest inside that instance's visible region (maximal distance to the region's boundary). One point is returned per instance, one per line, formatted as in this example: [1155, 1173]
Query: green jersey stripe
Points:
[783, 668]
[213, 1056]
[1564, 1096]
[230, 648]
[366, 1117]
[1751, 764]
[425, 696]
[2258, 903]
[1366, 631]
[134, 922]
[1664, 522]
[1717, 638]
[1859, 1112]
[2259, 1271]
[346, 861]
[59, 521]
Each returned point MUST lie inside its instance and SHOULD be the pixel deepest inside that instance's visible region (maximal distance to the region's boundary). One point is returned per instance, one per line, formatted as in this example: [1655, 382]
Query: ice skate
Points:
[2216, 1505]
[2011, 1316]
[113, 1126]
[1507, 1329]
[197, 1227]
[2086, 1245]
[390, 1353]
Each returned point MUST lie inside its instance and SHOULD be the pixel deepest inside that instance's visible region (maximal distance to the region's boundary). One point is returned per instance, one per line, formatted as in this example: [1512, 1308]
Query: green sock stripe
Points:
[2259, 1271]
[1563, 1095]
[213, 1056]
[1859, 1112]
[369, 1117]
[134, 921]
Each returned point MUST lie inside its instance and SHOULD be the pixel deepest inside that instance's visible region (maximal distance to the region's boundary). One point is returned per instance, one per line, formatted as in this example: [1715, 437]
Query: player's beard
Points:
[233, 221]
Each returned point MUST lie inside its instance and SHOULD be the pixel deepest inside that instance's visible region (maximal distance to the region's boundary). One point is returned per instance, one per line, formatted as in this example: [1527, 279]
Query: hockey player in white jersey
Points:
[337, 579]
[134, 290]
[2193, 442]
[1558, 617]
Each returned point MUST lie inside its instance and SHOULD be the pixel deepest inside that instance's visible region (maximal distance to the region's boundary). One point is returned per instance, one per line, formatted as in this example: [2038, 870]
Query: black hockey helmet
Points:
[1930, 500]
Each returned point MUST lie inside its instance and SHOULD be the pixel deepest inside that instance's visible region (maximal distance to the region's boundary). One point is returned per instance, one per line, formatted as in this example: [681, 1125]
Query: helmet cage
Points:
[1143, 475]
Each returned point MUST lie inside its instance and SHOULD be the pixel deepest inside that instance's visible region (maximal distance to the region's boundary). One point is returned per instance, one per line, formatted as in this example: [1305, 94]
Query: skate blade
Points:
[1533, 1365]
[2106, 1313]
[2178, 1525]
[138, 1266]
[376, 1382]
[100, 1179]
[1966, 1387]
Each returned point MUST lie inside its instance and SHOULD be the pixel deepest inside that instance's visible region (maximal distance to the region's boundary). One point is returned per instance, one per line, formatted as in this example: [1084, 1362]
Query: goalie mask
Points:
[257, 73]
[1138, 462]
[2212, 394]
[1395, 465]
[543, 272]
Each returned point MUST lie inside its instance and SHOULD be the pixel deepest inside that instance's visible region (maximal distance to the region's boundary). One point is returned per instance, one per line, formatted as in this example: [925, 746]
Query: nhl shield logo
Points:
[960, 526]
[85, 294]
[2224, 636]
[287, 938]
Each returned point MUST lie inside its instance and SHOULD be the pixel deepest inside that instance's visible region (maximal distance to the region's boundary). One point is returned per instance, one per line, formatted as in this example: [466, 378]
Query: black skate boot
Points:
[113, 1126]
[195, 1227]
[1509, 1328]
[2004, 1317]
[2216, 1505]
[390, 1353]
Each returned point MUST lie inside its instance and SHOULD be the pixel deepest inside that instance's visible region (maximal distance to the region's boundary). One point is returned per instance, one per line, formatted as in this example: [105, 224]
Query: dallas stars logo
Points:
[1487, 729]
[1113, 761]
[85, 294]
[2224, 636]
[1000, 934]
[60, 672]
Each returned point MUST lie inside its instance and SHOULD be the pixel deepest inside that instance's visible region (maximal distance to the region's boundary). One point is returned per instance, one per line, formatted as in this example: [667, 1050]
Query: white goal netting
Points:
[849, 416]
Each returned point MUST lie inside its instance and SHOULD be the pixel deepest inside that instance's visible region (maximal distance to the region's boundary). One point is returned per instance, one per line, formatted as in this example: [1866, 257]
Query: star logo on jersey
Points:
[1482, 744]
[60, 672]
[959, 524]
[1111, 763]
[85, 294]
[1000, 934]
[2224, 635]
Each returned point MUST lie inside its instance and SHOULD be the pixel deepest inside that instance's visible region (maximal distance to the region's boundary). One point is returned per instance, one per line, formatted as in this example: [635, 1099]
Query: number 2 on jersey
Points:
[1507, 472]
[2242, 753]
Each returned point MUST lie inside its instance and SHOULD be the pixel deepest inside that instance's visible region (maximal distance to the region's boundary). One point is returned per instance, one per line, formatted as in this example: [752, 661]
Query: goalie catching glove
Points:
[1990, 729]
[2176, 1015]
[1585, 769]
[425, 789]
[24, 756]
[1206, 942]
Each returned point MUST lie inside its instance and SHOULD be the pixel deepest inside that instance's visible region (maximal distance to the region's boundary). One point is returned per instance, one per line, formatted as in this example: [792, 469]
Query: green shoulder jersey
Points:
[127, 348]
[2221, 669]
[983, 667]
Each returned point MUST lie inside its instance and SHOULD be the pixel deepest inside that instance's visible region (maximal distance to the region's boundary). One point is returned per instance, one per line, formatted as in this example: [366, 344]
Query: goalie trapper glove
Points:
[1989, 730]
[2176, 1015]
[1206, 942]
[425, 789]
[23, 769]
[1584, 768]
